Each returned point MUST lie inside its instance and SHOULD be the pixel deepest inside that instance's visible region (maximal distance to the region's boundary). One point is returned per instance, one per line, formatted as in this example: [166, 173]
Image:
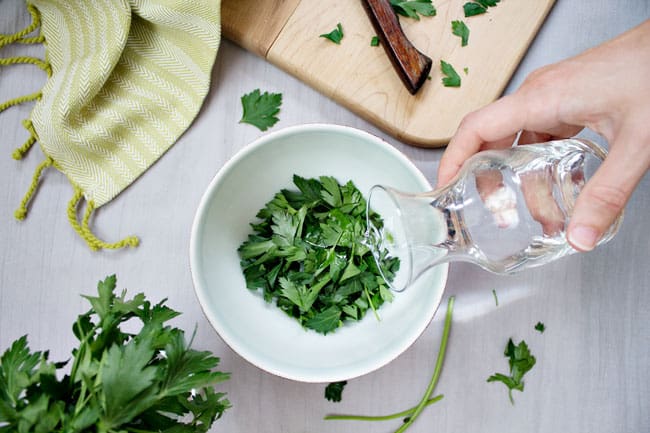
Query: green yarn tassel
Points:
[84, 231]
[18, 36]
[21, 212]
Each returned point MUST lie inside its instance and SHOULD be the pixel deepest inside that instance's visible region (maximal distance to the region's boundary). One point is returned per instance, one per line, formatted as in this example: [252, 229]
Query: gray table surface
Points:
[592, 372]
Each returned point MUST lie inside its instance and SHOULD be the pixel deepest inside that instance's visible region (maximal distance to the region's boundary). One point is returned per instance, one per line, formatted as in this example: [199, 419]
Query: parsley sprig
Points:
[460, 29]
[521, 361]
[451, 78]
[478, 7]
[261, 109]
[119, 381]
[307, 253]
[335, 35]
[411, 8]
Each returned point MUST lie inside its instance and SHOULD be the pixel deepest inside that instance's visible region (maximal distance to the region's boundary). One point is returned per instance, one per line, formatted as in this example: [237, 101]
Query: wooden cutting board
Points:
[361, 77]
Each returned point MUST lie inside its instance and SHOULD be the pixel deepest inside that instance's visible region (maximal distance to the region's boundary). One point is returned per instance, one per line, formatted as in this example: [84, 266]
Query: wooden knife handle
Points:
[412, 66]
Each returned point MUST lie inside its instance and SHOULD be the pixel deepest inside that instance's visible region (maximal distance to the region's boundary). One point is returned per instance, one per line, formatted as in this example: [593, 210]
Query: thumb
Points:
[604, 196]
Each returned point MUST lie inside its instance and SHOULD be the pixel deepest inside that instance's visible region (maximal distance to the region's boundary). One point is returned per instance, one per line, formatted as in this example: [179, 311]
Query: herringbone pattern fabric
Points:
[128, 77]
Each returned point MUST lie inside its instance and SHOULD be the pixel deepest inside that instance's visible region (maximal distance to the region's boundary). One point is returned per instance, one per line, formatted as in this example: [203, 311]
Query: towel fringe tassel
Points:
[20, 100]
[83, 228]
[39, 39]
[19, 35]
[20, 152]
[21, 212]
[27, 60]
[22, 38]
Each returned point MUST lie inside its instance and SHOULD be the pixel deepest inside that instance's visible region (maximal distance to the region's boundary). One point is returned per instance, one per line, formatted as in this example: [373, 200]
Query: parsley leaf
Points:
[488, 3]
[307, 255]
[335, 35]
[260, 109]
[478, 7]
[471, 9]
[374, 42]
[451, 79]
[411, 8]
[325, 321]
[334, 390]
[459, 29]
[119, 381]
[540, 327]
[520, 361]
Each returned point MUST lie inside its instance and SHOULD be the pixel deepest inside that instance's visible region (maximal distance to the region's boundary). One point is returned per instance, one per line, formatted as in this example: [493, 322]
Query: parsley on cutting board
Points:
[451, 77]
[460, 29]
[335, 35]
[119, 381]
[411, 8]
[307, 254]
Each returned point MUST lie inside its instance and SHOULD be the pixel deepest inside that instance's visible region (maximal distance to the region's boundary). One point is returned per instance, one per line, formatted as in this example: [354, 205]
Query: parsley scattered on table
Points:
[411, 8]
[410, 415]
[335, 35]
[540, 327]
[521, 361]
[260, 109]
[307, 253]
[496, 300]
[466, 70]
[374, 42]
[118, 381]
[334, 391]
[451, 78]
[461, 30]
[471, 9]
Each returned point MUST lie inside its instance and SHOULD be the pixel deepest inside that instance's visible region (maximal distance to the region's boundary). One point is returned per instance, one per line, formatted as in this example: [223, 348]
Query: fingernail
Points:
[583, 238]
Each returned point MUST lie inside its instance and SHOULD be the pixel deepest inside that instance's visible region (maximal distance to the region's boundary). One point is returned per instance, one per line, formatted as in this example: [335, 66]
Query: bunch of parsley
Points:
[145, 382]
[307, 253]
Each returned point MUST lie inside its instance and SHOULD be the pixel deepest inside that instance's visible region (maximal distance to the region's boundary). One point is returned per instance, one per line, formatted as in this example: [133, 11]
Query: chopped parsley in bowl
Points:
[258, 330]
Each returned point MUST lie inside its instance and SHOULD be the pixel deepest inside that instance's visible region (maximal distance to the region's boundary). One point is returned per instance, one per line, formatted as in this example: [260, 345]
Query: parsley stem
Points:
[401, 414]
[374, 310]
[436, 370]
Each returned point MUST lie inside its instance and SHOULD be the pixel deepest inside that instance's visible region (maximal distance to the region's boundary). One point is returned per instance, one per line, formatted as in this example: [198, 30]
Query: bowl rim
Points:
[224, 170]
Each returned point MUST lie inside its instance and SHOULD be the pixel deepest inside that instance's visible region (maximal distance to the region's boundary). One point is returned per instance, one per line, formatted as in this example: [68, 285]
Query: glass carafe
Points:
[506, 211]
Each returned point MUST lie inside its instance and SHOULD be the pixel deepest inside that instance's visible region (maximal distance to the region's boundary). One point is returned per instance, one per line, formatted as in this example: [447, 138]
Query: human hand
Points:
[605, 89]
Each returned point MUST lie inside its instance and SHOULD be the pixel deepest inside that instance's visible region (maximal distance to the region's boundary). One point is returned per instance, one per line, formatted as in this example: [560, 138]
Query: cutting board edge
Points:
[404, 135]
[258, 46]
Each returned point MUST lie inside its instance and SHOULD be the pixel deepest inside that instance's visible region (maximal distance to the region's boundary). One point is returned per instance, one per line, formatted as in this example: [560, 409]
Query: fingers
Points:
[497, 123]
[560, 131]
[604, 196]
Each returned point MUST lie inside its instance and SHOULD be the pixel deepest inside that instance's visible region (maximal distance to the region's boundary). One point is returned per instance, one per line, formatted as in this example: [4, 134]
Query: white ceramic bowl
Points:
[259, 331]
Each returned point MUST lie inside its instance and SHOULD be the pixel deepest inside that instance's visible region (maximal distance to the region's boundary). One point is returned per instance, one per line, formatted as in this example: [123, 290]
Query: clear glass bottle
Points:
[506, 211]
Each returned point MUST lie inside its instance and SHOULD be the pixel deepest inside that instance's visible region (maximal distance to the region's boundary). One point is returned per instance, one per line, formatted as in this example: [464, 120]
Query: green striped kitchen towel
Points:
[125, 80]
